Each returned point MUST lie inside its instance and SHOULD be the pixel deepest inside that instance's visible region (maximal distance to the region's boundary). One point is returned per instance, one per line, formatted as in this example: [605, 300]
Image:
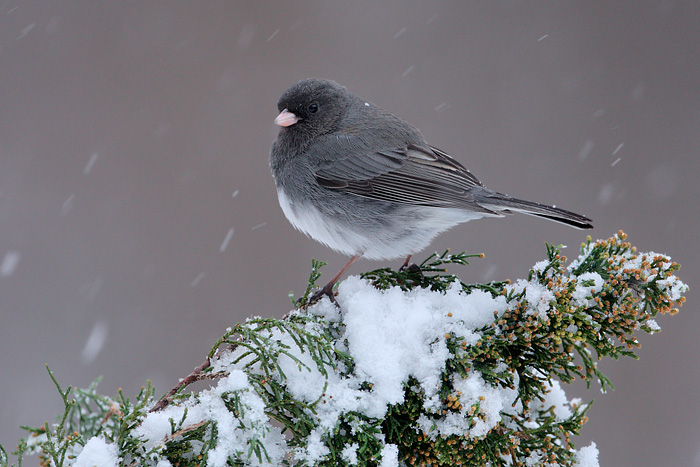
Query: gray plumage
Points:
[366, 183]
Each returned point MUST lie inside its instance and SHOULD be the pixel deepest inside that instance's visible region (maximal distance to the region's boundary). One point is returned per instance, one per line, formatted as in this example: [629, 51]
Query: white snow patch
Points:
[386, 357]
[235, 432]
[653, 325]
[537, 296]
[556, 398]
[473, 390]
[587, 456]
[349, 453]
[583, 294]
[98, 453]
[540, 265]
[390, 456]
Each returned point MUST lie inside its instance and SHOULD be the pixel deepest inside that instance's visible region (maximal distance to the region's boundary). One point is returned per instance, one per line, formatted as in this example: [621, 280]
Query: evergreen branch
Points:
[313, 277]
[304, 373]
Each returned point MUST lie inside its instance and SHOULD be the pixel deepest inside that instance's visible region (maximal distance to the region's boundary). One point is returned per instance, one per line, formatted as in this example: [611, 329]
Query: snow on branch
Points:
[411, 368]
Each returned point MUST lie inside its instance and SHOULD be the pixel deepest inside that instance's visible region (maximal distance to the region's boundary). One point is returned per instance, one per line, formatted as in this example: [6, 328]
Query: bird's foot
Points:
[413, 267]
[318, 295]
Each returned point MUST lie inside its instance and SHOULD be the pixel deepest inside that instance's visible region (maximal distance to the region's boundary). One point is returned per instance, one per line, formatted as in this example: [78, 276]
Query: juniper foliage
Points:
[605, 296]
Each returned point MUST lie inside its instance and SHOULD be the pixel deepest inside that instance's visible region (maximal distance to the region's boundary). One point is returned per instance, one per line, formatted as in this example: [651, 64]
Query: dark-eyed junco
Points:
[365, 183]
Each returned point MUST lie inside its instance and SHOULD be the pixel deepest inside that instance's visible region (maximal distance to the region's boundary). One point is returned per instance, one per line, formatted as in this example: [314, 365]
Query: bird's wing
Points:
[413, 174]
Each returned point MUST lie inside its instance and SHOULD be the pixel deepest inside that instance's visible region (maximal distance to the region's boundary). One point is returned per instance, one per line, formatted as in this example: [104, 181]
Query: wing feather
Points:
[414, 174]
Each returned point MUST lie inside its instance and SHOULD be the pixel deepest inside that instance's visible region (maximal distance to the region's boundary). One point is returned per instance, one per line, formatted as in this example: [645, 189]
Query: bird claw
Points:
[413, 267]
[318, 295]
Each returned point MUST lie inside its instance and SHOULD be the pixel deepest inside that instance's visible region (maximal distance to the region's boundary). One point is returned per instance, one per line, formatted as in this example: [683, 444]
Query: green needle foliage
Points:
[592, 311]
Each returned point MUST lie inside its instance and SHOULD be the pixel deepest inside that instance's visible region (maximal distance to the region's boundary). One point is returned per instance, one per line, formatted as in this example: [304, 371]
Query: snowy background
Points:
[138, 217]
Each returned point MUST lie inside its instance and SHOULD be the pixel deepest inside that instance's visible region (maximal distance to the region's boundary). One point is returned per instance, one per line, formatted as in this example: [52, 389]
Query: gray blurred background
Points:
[135, 135]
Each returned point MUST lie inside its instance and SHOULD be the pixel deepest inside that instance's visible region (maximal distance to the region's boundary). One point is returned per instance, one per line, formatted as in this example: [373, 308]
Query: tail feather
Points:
[499, 202]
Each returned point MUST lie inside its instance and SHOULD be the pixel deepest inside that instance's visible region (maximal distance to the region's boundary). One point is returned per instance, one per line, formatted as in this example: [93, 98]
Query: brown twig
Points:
[193, 377]
[183, 431]
[113, 410]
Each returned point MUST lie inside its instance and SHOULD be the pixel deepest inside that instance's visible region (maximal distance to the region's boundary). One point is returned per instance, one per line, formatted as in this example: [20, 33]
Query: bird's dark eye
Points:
[313, 108]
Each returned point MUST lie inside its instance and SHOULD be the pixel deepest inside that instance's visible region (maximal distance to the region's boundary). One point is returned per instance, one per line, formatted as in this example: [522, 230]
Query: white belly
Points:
[412, 230]
[306, 218]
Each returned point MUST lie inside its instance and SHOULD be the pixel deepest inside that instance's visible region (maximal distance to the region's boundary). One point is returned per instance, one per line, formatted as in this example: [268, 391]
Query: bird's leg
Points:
[328, 288]
[405, 263]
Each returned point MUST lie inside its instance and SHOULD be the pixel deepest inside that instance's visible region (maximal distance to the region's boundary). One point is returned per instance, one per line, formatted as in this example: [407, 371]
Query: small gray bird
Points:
[365, 183]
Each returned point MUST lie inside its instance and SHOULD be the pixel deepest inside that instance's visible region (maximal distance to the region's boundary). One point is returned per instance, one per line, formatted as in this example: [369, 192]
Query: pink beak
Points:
[286, 118]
